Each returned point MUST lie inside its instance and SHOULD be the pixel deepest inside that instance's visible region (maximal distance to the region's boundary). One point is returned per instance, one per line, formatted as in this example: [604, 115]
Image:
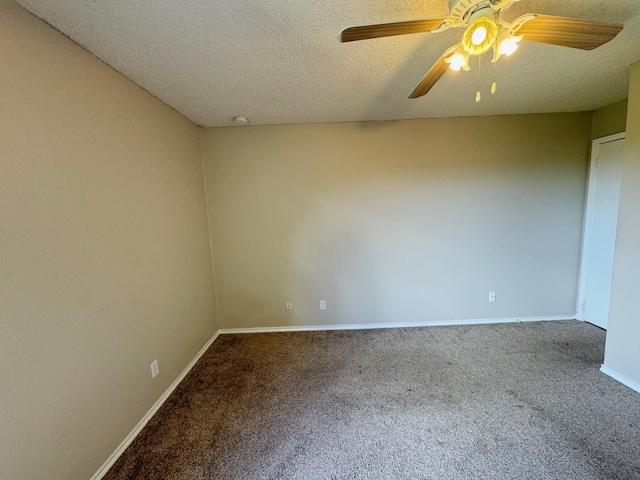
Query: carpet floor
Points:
[509, 401]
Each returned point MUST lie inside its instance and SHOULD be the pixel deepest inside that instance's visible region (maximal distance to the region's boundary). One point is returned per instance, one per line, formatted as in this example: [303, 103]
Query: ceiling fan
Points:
[486, 29]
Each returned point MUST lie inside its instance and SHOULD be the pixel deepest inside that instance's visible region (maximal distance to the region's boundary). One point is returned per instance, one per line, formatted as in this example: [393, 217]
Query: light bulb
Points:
[478, 97]
[494, 86]
[478, 35]
[508, 46]
[456, 62]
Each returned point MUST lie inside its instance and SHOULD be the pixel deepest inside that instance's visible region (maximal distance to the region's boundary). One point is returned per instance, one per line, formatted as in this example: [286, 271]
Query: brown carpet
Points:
[464, 402]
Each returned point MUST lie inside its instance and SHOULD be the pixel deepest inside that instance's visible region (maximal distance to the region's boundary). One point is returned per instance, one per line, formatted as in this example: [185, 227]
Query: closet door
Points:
[601, 220]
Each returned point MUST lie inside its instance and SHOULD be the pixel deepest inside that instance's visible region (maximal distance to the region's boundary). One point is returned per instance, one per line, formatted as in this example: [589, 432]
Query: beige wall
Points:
[104, 253]
[403, 221]
[609, 120]
[622, 353]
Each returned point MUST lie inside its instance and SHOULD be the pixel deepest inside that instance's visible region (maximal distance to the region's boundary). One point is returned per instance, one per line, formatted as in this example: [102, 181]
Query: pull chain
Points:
[494, 85]
[478, 94]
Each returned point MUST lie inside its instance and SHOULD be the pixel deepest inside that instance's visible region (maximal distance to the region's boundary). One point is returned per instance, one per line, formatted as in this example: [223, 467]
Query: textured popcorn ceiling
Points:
[279, 61]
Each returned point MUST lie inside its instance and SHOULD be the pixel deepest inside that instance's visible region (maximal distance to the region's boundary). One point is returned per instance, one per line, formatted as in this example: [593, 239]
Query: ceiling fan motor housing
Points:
[463, 10]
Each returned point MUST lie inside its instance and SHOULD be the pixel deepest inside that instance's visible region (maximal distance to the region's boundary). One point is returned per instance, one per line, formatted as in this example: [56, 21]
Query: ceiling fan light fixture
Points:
[457, 62]
[480, 36]
[457, 58]
[508, 46]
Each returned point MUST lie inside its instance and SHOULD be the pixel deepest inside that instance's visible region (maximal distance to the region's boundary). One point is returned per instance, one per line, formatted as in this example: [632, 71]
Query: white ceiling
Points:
[280, 61]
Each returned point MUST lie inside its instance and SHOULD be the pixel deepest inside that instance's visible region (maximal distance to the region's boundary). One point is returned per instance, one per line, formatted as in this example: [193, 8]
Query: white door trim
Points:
[588, 220]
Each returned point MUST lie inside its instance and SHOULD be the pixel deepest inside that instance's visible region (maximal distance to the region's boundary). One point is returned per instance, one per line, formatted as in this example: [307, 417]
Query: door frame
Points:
[588, 220]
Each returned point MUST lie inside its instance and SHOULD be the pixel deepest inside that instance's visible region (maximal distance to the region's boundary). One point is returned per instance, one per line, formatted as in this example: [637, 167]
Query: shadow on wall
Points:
[412, 250]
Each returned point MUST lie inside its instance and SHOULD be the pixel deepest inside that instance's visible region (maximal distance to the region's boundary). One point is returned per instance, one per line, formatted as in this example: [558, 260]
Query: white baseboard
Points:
[368, 326]
[156, 406]
[620, 378]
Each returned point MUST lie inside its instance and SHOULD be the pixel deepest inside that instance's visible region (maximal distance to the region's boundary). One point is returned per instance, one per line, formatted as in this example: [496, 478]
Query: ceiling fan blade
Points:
[568, 32]
[390, 29]
[431, 78]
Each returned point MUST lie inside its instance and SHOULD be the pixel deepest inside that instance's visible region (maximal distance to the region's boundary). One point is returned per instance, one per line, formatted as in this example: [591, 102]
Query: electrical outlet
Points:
[492, 297]
[323, 304]
[288, 306]
[155, 369]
